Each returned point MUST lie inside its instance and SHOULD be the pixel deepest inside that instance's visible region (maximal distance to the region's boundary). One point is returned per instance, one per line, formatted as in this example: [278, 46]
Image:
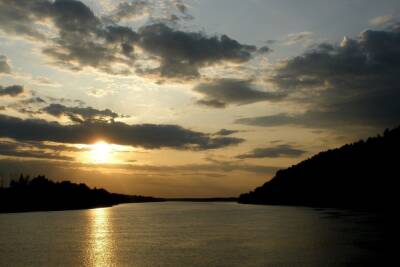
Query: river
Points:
[190, 234]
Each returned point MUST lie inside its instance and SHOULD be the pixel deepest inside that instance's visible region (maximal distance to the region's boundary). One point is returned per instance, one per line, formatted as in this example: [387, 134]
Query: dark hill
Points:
[359, 175]
[41, 194]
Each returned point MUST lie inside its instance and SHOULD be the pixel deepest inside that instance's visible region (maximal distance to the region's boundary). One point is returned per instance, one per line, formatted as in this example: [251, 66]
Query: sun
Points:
[100, 152]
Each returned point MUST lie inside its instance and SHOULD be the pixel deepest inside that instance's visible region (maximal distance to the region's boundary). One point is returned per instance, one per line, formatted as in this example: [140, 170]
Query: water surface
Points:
[189, 234]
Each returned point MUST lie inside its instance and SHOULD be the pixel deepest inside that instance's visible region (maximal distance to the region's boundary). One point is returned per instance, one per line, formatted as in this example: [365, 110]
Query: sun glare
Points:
[101, 152]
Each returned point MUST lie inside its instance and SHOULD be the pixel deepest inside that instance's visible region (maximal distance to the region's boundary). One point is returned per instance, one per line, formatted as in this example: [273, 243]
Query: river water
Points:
[190, 234]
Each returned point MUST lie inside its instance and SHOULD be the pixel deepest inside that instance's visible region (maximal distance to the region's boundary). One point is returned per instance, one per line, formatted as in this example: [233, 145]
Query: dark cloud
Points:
[352, 84]
[23, 151]
[4, 66]
[56, 148]
[12, 90]
[20, 17]
[273, 152]
[83, 39]
[225, 132]
[150, 136]
[86, 40]
[223, 92]
[183, 53]
[211, 103]
[81, 114]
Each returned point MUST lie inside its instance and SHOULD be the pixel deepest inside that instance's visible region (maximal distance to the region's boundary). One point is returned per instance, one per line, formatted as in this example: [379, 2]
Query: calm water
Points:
[189, 234]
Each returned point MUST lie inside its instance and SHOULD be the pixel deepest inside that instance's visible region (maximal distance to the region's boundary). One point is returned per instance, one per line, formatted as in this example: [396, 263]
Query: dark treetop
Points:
[41, 194]
[358, 175]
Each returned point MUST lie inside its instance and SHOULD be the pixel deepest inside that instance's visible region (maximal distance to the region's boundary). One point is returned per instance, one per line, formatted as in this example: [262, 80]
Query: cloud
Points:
[264, 50]
[351, 84]
[33, 100]
[82, 40]
[85, 40]
[80, 114]
[28, 105]
[149, 136]
[273, 152]
[4, 65]
[269, 121]
[181, 6]
[12, 90]
[20, 17]
[168, 11]
[383, 21]
[52, 147]
[23, 151]
[223, 92]
[225, 132]
[181, 54]
[211, 103]
[130, 11]
[299, 38]
[183, 9]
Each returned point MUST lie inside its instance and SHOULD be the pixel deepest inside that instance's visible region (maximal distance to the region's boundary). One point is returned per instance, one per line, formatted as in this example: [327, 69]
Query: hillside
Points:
[358, 175]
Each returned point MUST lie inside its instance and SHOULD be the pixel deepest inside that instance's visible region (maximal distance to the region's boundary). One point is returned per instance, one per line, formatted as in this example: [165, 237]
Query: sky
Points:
[190, 98]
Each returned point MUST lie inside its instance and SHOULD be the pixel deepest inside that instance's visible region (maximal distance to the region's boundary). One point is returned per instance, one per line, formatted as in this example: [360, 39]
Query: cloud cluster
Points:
[12, 90]
[22, 150]
[90, 125]
[80, 114]
[83, 39]
[354, 83]
[150, 136]
[273, 152]
[181, 54]
[223, 92]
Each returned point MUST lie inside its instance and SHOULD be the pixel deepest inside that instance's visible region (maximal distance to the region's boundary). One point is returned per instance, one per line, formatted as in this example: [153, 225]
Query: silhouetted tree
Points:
[363, 174]
[39, 193]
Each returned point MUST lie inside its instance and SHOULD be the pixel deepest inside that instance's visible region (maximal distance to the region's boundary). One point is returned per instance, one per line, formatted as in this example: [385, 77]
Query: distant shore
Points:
[206, 199]
[41, 194]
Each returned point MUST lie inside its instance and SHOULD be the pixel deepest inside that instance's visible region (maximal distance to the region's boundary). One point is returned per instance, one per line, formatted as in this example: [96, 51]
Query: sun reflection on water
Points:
[101, 243]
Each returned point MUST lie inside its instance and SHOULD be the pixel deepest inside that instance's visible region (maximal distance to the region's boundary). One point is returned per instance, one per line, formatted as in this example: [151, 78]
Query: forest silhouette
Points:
[41, 194]
[359, 175]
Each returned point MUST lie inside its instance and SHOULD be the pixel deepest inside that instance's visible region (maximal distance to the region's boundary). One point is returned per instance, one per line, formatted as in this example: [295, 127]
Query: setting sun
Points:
[101, 152]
